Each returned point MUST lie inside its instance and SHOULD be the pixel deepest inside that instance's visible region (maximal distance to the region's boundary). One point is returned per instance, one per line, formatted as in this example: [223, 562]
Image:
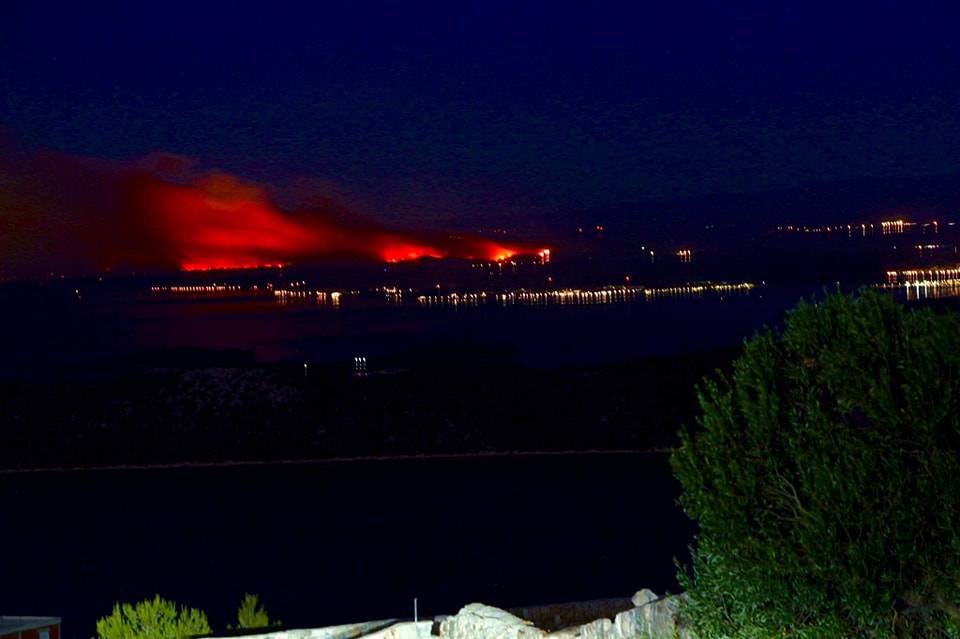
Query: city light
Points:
[198, 288]
[933, 274]
[298, 292]
[890, 227]
[928, 289]
[886, 227]
[583, 297]
[293, 295]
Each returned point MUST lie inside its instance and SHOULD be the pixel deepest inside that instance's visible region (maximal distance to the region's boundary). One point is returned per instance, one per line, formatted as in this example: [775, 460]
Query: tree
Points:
[252, 615]
[152, 619]
[824, 473]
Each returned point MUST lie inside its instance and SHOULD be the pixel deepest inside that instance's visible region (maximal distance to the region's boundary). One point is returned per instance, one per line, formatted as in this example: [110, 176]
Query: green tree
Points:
[154, 618]
[252, 614]
[824, 474]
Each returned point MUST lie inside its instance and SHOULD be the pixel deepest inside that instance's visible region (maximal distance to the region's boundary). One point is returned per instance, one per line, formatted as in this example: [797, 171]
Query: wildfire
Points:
[220, 222]
[79, 214]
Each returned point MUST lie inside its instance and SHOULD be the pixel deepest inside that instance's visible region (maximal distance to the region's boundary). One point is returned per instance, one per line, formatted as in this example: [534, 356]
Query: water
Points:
[334, 543]
[57, 335]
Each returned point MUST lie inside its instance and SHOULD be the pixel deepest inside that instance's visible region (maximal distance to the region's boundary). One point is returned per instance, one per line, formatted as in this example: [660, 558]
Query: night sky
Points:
[472, 114]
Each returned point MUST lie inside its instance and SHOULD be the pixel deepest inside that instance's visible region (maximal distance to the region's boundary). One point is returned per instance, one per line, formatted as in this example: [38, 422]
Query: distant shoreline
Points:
[332, 460]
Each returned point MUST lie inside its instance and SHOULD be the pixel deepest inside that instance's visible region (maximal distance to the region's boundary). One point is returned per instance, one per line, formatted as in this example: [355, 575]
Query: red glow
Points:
[215, 265]
[62, 213]
[219, 222]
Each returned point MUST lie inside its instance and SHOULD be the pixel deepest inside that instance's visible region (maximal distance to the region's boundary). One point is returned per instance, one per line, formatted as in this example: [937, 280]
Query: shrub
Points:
[252, 615]
[152, 619]
[824, 474]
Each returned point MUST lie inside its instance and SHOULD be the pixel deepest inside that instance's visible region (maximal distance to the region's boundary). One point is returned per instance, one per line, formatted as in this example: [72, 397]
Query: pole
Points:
[416, 618]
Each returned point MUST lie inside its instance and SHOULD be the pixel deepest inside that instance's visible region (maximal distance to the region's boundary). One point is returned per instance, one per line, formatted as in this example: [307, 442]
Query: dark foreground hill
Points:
[453, 403]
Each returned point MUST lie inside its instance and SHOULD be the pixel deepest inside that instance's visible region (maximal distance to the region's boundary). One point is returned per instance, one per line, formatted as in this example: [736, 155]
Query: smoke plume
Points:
[66, 213]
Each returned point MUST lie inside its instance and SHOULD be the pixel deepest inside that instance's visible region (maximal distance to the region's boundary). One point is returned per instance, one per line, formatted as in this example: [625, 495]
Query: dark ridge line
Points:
[333, 460]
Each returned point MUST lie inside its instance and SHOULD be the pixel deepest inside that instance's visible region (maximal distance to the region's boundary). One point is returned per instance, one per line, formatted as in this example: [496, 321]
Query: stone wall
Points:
[565, 615]
[646, 616]
[346, 631]
[478, 621]
[405, 630]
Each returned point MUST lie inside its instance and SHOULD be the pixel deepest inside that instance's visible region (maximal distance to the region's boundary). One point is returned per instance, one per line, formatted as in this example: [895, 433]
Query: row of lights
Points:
[893, 226]
[199, 288]
[926, 274]
[608, 295]
[322, 297]
[887, 227]
[928, 289]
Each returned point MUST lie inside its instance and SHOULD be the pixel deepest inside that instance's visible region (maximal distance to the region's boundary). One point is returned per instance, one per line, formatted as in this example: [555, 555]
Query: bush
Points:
[824, 474]
[152, 619]
[252, 615]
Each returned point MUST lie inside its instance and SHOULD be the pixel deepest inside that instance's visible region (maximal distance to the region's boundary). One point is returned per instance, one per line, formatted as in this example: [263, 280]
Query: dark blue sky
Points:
[473, 113]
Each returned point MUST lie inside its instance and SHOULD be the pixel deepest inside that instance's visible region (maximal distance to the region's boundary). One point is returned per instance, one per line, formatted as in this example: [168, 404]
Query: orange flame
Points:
[220, 222]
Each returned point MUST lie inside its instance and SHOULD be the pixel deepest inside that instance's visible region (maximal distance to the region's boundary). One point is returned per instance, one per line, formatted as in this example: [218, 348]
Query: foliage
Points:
[152, 619]
[252, 614]
[824, 474]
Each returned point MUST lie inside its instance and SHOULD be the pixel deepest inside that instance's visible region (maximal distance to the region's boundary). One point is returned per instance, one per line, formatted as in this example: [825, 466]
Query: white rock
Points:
[599, 629]
[660, 615]
[478, 621]
[643, 597]
[629, 624]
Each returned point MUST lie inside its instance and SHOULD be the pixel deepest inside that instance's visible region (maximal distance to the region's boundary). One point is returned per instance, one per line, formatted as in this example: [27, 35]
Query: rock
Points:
[599, 629]
[660, 615]
[643, 597]
[651, 617]
[477, 621]
[629, 624]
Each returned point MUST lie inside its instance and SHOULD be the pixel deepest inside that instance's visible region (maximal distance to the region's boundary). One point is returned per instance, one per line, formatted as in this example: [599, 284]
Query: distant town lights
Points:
[887, 227]
[199, 288]
[935, 274]
[573, 296]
